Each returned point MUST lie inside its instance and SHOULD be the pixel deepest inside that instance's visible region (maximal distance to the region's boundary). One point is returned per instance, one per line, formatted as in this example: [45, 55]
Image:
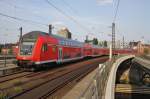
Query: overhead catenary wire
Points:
[22, 8]
[73, 10]
[21, 19]
[70, 17]
[116, 11]
[69, 6]
[113, 25]
[6, 29]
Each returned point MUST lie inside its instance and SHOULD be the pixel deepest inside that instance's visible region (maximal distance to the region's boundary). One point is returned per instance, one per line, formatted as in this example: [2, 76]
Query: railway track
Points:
[11, 82]
[50, 86]
[47, 82]
[129, 91]
[77, 76]
[13, 76]
[132, 81]
[13, 73]
[128, 88]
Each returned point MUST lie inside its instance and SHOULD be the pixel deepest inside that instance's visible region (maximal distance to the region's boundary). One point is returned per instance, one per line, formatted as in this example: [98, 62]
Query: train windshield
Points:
[26, 48]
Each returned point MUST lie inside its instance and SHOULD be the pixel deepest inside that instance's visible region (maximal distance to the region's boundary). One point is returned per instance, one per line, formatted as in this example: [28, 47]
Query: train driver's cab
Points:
[26, 48]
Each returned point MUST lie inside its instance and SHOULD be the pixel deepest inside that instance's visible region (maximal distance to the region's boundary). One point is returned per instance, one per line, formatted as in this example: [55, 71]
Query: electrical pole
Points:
[50, 29]
[123, 42]
[20, 34]
[110, 52]
[86, 37]
[86, 40]
[113, 36]
[5, 54]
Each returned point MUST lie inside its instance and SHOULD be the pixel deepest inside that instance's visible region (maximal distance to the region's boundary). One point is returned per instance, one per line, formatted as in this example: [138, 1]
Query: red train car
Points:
[87, 50]
[39, 47]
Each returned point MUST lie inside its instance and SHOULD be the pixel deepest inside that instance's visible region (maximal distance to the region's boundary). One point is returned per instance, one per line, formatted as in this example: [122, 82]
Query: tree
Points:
[95, 41]
[100, 43]
[105, 43]
[86, 41]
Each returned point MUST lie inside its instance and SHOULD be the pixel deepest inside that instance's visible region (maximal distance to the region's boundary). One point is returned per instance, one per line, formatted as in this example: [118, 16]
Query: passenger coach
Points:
[39, 47]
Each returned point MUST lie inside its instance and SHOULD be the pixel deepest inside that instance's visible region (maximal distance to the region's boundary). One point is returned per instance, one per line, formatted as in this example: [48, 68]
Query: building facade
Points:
[64, 32]
[137, 46]
[119, 44]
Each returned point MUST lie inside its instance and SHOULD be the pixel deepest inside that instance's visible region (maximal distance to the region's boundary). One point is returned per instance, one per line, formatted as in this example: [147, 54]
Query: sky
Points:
[82, 17]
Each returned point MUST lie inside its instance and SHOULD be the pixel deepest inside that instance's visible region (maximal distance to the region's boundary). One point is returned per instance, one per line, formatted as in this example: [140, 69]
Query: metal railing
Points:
[7, 57]
[7, 60]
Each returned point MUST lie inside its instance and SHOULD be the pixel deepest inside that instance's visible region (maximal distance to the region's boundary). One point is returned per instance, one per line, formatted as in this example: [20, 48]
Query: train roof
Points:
[32, 36]
[96, 46]
[64, 41]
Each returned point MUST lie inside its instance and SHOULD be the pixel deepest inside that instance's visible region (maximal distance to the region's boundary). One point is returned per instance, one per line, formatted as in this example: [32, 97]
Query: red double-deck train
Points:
[38, 48]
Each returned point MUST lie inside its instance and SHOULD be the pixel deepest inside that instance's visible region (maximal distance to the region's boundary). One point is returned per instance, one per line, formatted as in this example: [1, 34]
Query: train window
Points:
[63, 42]
[26, 48]
[44, 47]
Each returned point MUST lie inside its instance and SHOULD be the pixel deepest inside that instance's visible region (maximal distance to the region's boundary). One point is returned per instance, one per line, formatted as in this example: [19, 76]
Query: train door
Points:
[44, 52]
[60, 55]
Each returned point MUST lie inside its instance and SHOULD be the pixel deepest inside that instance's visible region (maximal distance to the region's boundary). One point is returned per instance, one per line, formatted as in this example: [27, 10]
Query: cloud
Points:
[104, 2]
